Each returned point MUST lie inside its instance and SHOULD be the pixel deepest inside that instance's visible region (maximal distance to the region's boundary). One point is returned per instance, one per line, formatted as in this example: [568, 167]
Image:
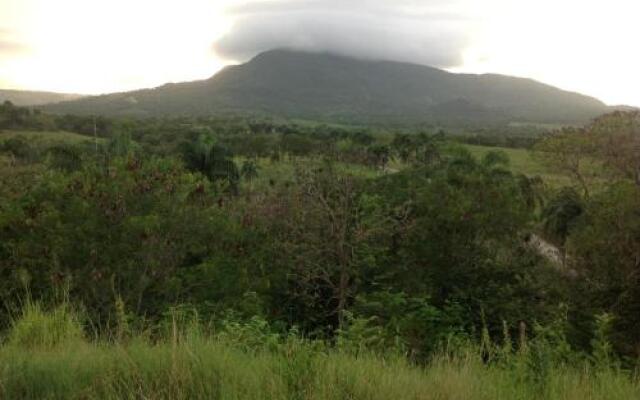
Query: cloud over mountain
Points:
[432, 32]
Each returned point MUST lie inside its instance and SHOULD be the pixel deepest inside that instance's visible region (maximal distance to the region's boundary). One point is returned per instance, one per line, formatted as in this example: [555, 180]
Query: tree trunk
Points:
[342, 296]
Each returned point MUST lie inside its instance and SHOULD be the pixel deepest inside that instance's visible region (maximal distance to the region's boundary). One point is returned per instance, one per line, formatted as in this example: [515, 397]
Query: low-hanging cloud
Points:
[425, 32]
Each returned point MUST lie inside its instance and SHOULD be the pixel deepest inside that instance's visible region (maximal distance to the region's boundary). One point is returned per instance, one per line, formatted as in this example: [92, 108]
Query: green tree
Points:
[604, 248]
[571, 151]
[617, 137]
[329, 240]
[460, 240]
[133, 233]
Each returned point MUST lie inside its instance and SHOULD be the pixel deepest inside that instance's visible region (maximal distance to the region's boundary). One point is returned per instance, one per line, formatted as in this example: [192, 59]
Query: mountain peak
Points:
[333, 87]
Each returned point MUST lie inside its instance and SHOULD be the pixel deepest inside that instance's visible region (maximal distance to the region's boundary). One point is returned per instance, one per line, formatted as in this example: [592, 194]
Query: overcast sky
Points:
[98, 46]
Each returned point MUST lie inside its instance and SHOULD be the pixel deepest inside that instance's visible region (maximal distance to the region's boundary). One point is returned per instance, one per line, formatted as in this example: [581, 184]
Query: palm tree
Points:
[249, 170]
[212, 160]
[197, 154]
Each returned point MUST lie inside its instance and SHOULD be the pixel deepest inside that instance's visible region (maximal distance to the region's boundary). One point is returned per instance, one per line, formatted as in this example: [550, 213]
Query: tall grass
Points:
[246, 363]
[38, 329]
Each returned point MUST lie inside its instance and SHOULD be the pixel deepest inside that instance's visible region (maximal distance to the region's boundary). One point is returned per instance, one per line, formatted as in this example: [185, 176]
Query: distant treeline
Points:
[164, 134]
[32, 119]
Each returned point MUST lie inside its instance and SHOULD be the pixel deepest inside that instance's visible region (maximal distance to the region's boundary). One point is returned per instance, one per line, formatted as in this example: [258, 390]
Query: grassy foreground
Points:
[206, 369]
[46, 356]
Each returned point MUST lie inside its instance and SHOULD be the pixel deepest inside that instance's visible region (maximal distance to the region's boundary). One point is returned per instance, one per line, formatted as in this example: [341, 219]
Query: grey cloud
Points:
[429, 31]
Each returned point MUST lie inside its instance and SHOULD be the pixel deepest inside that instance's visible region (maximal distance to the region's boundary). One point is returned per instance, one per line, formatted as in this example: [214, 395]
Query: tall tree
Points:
[617, 136]
[570, 151]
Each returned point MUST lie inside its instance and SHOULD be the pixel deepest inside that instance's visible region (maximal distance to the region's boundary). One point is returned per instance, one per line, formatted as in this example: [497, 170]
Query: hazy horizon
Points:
[95, 47]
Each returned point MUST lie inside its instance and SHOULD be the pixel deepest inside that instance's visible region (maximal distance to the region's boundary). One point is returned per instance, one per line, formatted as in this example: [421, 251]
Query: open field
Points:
[522, 161]
[283, 172]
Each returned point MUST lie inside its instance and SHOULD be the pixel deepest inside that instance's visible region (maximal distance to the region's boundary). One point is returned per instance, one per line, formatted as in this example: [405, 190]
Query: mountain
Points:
[324, 86]
[625, 108]
[29, 98]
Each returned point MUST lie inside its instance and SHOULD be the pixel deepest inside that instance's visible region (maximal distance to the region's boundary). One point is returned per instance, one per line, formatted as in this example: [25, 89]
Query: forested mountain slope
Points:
[325, 86]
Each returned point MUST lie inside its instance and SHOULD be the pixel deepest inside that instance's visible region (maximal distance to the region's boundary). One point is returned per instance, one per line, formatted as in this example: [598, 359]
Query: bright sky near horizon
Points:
[100, 46]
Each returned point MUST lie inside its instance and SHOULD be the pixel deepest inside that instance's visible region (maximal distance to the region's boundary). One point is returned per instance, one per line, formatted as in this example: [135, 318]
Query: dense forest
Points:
[301, 256]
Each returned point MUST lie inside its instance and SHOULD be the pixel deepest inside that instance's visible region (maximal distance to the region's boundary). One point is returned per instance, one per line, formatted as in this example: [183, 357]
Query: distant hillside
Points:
[47, 136]
[625, 108]
[330, 87]
[28, 98]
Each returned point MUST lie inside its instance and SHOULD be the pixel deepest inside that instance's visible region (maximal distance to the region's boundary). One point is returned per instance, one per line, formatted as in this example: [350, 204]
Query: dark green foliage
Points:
[420, 150]
[298, 145]
[462, 243]
[19, 148]
[604, 247]
[561, 214]
[14, 117]
[65, 157]
[361, 238]
[599, 232]
[379, 156]
[127, 231]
